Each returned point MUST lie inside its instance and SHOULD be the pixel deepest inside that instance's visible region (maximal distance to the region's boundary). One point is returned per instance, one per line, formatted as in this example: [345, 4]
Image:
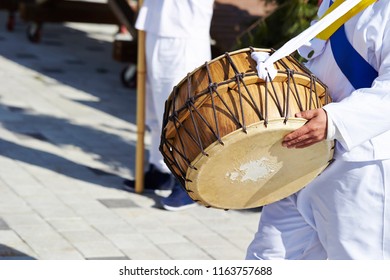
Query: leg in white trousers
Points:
[342, 214]
[168, 62]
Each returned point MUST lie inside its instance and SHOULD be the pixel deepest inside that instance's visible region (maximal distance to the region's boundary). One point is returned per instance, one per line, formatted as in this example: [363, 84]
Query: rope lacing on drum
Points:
[175, 119]
[313, 81]
[237, 121]
[286, 96]
[178, 124]
[213, 88]
[297, 96]
[287, 101]
[266, 103]
[274, 97]
[191, 109]
[190, 105]
[240, 81]
[170, 158]
[171, 161]
[237, 76]
[240, 77]
[194, 109]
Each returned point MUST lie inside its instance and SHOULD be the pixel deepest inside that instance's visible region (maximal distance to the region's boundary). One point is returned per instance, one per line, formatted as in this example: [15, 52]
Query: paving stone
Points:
[118, 203]
[68, 139]
[185, 251]
[3, 225]
[91, 244]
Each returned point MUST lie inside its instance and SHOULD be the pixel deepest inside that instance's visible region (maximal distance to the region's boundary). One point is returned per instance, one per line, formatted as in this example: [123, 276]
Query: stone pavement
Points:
[67, 141]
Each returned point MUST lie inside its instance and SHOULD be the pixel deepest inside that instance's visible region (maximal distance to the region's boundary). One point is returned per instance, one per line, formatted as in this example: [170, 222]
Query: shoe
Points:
[154, 180]
[178, 199]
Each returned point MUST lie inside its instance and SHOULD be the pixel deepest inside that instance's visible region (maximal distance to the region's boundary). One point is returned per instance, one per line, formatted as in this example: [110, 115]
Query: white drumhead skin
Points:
[253, 169]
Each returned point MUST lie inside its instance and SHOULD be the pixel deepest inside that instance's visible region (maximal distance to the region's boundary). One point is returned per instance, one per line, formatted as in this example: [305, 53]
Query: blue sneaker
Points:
[178, 199]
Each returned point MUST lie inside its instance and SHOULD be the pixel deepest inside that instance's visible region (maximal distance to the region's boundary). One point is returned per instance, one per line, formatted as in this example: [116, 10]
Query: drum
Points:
[223, 127]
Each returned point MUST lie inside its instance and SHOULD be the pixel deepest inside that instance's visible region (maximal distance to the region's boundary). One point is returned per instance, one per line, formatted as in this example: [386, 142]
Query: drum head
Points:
[253, 169]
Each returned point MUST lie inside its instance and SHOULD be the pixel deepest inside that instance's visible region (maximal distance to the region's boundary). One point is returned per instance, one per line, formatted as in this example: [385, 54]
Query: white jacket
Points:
[361, 117]
[195, 25]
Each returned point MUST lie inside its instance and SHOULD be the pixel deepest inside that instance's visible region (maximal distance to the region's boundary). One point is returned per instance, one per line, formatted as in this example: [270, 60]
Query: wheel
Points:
[129, 76]
[34, 32]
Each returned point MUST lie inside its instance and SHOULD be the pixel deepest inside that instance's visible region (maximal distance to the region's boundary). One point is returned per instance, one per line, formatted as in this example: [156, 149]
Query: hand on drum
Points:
[312, 132]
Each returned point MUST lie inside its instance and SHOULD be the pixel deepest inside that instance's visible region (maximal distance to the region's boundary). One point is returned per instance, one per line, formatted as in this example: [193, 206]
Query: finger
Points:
[305, 144]
[306, 114]
[303, 141]
[296, 141]
[296, 134]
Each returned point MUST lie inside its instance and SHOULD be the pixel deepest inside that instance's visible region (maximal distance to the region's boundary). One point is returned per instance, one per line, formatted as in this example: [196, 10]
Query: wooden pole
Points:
[141, 92]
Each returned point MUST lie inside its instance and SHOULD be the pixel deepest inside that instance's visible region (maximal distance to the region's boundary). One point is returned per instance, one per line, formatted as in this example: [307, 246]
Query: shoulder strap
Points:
[343, 7]
[325, 34]
[357, 70]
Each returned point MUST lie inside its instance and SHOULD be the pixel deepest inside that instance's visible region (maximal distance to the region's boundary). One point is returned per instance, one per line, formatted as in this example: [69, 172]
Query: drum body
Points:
[223, 127]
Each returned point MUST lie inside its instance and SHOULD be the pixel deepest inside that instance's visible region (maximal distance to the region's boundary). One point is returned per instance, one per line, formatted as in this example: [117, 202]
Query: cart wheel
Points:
[11, 21]
[34, 32]
[129, 77]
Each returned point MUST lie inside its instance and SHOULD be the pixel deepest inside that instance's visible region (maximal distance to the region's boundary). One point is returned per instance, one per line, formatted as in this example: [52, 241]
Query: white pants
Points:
[343, 214]
[168, 60]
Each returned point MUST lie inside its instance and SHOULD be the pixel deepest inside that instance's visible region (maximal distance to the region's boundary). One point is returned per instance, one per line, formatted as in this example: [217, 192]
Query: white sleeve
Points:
[365, 113]
[332, 131]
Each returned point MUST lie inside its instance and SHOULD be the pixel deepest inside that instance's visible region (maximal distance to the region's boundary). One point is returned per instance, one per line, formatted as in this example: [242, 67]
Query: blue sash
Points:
[357, 70]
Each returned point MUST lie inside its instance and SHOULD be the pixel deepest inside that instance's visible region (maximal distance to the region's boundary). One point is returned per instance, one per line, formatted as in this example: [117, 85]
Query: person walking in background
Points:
[177, 41]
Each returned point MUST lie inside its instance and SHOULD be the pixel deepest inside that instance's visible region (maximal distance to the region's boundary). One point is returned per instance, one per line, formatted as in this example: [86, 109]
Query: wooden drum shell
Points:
[224, 96]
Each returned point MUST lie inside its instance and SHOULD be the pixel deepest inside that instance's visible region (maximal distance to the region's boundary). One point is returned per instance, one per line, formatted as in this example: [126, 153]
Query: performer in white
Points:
[177, 41]
[345, 212]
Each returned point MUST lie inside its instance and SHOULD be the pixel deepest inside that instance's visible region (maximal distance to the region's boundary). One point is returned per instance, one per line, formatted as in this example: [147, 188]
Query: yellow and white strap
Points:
[325, 34]
[338, 13]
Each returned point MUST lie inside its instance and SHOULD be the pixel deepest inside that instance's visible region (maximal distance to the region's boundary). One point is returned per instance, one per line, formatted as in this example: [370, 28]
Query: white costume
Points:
[177, 42]
[345, 212]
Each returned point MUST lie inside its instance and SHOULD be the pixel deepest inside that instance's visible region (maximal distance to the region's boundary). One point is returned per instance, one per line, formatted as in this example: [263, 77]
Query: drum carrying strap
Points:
[357, 70]
[337, 14]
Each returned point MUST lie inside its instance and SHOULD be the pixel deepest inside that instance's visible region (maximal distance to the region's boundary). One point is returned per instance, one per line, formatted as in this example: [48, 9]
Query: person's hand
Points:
[311, 133]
